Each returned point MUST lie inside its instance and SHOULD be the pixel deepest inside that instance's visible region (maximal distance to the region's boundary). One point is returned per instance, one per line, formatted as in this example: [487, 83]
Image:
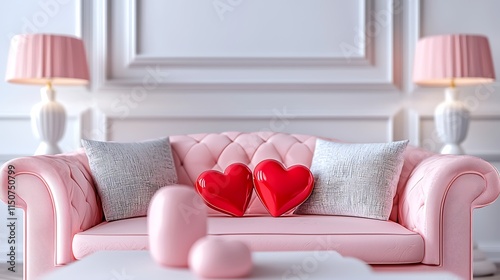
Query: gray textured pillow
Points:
[128, 174]
[354, 179]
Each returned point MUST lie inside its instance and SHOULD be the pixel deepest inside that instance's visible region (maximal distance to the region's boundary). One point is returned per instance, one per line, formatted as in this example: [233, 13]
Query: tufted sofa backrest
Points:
[196, 153]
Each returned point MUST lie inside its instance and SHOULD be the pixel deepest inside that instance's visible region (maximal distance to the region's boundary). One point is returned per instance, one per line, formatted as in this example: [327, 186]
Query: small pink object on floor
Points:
[176, 220]
[214, 257]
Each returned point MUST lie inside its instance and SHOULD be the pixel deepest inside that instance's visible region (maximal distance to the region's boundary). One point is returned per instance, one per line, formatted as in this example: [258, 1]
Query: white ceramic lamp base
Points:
[452, 122]
[452, 149]
[48, 121]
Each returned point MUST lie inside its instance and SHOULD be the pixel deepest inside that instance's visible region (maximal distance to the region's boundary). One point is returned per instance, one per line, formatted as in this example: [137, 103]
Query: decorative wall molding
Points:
[383, 127]
[379, 73]
[135, 59]
[94, 34]
[12, 147]
[413, 32]
[79, 16]
[94, 124]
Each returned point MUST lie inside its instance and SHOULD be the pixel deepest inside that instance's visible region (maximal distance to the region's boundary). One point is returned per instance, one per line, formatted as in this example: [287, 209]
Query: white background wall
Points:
[337, 68]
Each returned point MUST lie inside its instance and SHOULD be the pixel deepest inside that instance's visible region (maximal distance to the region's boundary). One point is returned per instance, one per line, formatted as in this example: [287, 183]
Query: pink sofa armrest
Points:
[59, 199]
[438, 200]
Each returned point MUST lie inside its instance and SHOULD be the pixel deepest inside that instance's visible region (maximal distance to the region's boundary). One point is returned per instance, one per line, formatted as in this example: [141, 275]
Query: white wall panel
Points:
[257, 28]
[484, 137]
[374, 129]
[344, 45]
[17, 136]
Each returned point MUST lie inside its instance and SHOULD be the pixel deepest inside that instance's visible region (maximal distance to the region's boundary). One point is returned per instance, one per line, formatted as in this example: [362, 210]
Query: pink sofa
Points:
[429, 228]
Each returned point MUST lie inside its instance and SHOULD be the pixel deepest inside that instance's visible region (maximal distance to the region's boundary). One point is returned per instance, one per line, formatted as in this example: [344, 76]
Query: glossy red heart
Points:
[280, 189]
[227, 192]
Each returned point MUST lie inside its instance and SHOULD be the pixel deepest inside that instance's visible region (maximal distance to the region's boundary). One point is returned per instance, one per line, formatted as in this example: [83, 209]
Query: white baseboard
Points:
[492, 251]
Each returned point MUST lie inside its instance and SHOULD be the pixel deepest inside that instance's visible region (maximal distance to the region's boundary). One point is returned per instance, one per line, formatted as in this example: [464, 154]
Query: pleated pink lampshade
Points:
[42, 58]
[458, 58]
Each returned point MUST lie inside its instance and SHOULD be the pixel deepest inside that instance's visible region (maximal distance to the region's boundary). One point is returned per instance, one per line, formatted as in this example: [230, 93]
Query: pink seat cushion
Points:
[373, 241]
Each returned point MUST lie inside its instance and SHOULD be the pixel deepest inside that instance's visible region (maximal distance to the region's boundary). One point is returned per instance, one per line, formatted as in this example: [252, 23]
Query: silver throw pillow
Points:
[128, 174]
[354, 179]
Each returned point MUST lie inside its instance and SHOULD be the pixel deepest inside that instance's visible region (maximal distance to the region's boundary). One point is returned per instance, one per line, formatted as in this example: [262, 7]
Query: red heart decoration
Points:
[230, 192]
[280, 189]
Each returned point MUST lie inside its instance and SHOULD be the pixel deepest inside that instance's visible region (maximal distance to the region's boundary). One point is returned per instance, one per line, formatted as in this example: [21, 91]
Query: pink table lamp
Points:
[47, 60]
[452, 60]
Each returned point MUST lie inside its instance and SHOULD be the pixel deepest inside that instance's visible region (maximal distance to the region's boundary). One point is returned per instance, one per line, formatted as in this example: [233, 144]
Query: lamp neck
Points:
[48, 93]
[451, 94]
